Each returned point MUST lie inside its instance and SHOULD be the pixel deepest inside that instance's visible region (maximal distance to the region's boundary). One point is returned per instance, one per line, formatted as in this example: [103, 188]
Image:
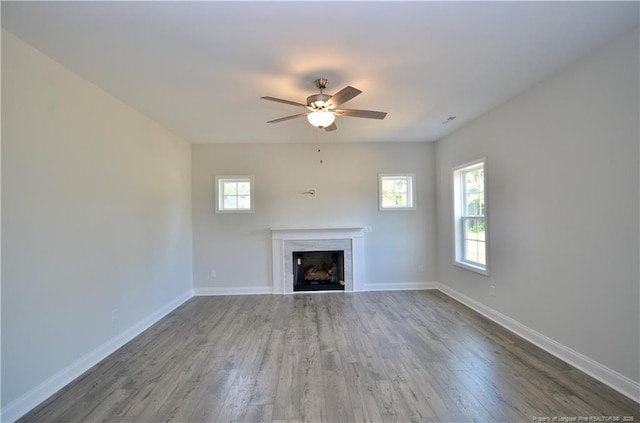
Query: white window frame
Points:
[411, 191]
[219, 188]
[459, 218]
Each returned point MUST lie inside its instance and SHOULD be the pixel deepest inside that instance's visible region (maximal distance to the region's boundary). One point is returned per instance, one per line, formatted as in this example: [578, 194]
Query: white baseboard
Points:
[233, 290]
[17, 408]
[400, 286]
[609, 377]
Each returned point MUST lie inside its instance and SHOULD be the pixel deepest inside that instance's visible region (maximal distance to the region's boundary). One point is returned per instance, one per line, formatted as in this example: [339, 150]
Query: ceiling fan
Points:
[322, 108]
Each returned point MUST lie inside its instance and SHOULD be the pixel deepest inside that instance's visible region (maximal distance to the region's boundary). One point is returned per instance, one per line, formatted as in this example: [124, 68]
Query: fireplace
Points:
[286, 241]
[318, 270]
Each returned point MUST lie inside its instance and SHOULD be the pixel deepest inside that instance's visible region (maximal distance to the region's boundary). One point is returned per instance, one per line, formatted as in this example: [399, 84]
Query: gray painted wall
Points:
[238, 246]
[563, 201]
[96, 216]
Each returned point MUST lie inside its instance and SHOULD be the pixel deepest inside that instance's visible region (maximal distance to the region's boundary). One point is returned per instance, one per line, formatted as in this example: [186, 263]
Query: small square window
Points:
[397, 191]
[234, 194]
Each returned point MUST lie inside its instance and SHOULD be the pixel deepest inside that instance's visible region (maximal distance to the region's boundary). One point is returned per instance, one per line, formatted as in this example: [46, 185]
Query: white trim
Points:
[233, 290]
[26, 402]
[401, 286]
[613, 379]
[470, 164]
[316, 233]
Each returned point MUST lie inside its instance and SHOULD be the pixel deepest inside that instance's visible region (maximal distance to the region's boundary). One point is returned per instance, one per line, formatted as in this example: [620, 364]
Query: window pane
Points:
[470, 229]
[482, 255]
[388, 199]
[401, 200]
[474, 180]
[244, 202]
[475, 251]
[400, 185]
[230, 202]
[472, 205]
[480, 229]
[244, 188]
[471, 250]
[230, 188]
[387, 185]
[470, 185]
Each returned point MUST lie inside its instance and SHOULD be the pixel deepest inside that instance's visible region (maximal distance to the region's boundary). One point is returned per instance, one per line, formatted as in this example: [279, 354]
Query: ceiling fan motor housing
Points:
[317, 101]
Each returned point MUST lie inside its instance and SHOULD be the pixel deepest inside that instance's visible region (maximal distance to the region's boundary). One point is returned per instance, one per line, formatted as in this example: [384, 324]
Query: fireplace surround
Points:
[286, 241]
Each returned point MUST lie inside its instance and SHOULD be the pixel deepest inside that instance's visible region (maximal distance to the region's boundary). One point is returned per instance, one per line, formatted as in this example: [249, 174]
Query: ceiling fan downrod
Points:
[321, 83]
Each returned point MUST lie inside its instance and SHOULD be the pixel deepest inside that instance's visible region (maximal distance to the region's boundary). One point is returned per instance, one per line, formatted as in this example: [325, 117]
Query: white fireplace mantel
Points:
[286, 240]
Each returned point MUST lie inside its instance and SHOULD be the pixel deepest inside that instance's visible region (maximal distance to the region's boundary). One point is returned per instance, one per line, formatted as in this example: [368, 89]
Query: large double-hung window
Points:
[470, 208]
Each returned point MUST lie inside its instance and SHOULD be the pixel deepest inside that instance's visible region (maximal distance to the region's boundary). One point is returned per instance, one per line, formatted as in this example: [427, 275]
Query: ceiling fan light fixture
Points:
[321, 118]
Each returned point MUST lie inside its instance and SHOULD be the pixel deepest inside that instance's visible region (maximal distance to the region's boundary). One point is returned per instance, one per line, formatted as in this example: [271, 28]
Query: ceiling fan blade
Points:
[279, 100]
[369, 114]
[342, 96]
[331, 127]
[288, 118]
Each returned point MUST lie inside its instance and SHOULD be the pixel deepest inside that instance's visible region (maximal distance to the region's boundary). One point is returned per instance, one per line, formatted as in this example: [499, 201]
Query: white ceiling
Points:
[199, 68]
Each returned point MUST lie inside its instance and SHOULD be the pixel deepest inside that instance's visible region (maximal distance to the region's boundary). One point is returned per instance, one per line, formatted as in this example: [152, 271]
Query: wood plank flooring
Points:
[406, 356]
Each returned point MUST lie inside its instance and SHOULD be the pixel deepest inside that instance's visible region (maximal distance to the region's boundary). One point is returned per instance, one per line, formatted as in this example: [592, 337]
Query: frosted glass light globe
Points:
[321, 119]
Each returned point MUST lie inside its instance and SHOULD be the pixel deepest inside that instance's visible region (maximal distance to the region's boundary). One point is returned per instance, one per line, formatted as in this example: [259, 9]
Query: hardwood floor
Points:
[406, 356]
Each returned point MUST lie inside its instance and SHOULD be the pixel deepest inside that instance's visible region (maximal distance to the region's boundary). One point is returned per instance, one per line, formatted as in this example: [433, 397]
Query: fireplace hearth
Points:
[318, 270]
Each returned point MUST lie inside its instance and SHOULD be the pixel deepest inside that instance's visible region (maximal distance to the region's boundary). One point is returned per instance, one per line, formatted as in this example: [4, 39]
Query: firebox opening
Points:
[318, 270]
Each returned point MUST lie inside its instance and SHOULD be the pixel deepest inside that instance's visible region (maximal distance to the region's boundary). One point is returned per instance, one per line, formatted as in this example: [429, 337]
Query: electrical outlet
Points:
[214, 274]
[492, 290]
[114, 315]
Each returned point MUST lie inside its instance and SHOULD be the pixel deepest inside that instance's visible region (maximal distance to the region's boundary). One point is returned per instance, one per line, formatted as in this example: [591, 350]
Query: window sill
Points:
[392, 209]
[468, 266]
[234, 211]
